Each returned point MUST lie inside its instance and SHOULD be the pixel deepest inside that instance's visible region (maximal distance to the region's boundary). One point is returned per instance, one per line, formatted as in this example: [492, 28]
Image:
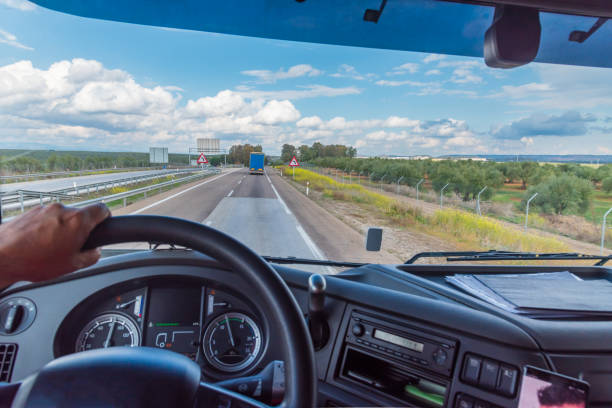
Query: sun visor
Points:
[412, 25]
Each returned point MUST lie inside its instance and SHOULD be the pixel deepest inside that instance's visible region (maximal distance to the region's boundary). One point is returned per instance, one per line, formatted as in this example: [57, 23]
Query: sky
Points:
[68, 82]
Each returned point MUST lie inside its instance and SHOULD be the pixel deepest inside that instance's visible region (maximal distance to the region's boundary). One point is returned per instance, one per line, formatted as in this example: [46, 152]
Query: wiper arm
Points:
[305, 261]
[508, 256]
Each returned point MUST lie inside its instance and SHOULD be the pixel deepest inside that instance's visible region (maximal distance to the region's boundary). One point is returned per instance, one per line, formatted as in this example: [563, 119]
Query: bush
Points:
[565, 194]
[606, 185]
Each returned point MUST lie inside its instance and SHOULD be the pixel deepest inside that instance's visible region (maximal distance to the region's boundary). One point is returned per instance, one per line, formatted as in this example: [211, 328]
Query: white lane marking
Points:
[269, 181]
[280, 199]
[179, 193]
[313, 247]
[239, 181]
[230, 193]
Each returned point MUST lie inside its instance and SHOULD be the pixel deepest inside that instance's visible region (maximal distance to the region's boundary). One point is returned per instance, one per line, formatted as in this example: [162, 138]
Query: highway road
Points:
[265, 213]
[68, 182]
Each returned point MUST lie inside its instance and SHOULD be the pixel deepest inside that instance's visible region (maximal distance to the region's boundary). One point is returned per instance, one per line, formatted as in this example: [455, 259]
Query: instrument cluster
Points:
[214, 328]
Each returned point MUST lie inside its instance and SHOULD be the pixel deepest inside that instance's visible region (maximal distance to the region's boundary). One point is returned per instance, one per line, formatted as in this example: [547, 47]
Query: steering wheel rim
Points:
[275, 297]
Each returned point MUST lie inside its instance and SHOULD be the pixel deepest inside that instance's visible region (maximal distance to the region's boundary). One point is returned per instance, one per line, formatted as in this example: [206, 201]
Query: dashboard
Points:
[396, 335]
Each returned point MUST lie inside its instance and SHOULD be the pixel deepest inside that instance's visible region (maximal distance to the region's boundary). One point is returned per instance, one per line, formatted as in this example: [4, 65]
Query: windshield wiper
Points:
[306, 261]
[494, 255]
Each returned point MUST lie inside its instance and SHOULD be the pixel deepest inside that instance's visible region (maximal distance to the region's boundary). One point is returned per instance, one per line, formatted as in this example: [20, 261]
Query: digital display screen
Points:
[174, 319]
[399, 341]
[545, 389]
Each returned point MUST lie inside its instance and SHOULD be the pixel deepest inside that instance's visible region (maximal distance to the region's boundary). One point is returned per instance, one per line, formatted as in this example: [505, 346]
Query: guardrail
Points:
[25, 198]
[52, 174]
[125, 195]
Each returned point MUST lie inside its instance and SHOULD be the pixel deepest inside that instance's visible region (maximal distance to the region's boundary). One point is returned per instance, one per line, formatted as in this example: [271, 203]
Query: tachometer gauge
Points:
[232, 342]
[108, 330]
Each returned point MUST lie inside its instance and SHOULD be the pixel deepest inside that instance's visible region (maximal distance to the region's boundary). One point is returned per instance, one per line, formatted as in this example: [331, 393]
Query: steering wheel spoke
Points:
[215, 396]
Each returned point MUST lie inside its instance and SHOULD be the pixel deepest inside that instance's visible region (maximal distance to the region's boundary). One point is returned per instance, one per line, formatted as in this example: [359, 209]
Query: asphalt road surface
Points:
[265, 213]
[68, 182]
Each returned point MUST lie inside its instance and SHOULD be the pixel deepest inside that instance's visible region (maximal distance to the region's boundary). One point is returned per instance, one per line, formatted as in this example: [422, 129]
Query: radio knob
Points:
[440, 356]
[358, 330]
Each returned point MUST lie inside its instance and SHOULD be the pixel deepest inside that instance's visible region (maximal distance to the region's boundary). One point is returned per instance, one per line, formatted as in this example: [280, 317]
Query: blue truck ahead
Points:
[256, 164]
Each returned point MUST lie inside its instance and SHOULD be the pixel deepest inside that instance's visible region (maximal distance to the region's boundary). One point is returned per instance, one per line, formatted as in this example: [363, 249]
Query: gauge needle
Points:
[122, 305]
[110, 334]
[229, 331]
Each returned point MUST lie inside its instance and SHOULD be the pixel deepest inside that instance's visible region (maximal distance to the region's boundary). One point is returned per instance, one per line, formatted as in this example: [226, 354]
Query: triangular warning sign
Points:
[294, 162]
[202, 159]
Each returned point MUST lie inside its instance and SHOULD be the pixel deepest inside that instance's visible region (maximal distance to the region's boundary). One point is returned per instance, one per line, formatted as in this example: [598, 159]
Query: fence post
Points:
[307, 184]
[603, 230]
[398, 184]
[21, 200]
[478, 200]
[359, 179]
[417, 187]
[381, 181]
[442, 193]
[125, 201]
[527, 209]
[41, 200]
[350, 176]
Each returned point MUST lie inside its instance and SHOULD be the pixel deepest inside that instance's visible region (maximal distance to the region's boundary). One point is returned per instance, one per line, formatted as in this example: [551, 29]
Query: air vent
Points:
[8, 352]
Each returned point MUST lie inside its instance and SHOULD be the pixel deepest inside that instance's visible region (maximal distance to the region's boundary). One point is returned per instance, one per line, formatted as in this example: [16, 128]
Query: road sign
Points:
[202, 159]
[294, 162]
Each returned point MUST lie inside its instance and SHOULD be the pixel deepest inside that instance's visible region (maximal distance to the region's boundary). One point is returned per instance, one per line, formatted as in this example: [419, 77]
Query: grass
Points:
[456, 225]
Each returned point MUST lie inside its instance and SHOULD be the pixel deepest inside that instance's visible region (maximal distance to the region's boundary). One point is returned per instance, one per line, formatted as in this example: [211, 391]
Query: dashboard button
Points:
[464, 401]
[471, 369]
[481, 404]
[358, 330]
[440, 356]
[508, 378]
[488, 376]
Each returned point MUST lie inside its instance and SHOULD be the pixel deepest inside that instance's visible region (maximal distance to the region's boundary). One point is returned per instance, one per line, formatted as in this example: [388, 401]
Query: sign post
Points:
[294, 163]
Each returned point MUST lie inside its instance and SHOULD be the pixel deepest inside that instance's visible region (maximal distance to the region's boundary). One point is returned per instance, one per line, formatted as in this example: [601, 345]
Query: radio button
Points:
[358, 329]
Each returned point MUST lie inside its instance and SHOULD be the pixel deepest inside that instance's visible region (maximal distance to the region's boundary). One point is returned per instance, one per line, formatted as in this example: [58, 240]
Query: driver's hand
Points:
[46, 242]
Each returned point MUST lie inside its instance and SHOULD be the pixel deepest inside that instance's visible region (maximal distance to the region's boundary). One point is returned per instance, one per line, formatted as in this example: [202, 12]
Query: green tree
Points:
[526, 170]
[287, 153]
[606, 184]
[565, 194]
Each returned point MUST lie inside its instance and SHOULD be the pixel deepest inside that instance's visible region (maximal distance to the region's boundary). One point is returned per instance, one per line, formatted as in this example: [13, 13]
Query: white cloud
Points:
[433, 72]
[409, 67]
[433, 57]
[527, 141]
[22, 5]
[310, 122]
[10, 39]
[308, 91]
[296, 71]
[275, 112]
[224, 103]
[78, 100]
[463, 75]
[349, 71]
[384, 82]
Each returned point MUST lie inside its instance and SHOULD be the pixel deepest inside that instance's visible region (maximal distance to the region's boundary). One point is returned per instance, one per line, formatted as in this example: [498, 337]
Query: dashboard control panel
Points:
[403, 343]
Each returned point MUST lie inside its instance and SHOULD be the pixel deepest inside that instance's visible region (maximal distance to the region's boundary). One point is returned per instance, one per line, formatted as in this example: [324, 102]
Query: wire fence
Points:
[445, 196]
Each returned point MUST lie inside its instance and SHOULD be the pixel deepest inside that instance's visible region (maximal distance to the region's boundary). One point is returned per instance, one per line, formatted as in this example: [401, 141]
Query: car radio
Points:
[402, 343]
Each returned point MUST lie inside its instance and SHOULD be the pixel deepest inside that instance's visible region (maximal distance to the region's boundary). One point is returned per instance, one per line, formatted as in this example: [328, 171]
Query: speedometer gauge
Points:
[108, 330]
[232, 342]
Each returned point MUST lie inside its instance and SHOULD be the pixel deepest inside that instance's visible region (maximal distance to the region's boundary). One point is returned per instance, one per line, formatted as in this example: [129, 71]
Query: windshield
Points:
[297, 149]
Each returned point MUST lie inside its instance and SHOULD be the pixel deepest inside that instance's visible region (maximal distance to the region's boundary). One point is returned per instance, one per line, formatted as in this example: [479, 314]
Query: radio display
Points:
[399, 341]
